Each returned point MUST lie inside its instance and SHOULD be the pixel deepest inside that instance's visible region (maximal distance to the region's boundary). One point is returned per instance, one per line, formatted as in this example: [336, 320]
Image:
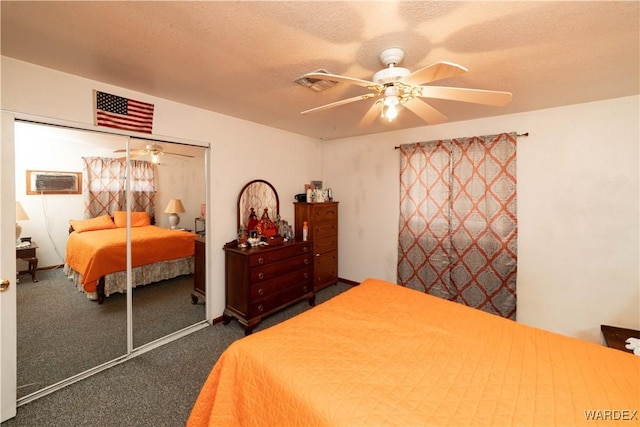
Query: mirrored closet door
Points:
[72, 306]
[173, 302]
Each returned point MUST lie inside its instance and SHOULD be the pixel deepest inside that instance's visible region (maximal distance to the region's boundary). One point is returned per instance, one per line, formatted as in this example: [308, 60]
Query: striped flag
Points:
[122, 113]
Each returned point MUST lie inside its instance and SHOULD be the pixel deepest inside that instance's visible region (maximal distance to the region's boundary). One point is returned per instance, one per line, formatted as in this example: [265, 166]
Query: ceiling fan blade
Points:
[425, 111]
[477, 96]
[371, 115]
[132, 152]
[178, 154]
[343, 79]
[341, 102]
[438, 71]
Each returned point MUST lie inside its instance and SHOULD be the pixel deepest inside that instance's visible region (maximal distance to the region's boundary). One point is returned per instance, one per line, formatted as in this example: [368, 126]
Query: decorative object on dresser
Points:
[174, 208]
[269, 274]
[200, 271]
[322, 222]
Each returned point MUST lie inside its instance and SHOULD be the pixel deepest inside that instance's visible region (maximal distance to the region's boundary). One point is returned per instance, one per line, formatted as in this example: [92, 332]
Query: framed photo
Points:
[253, 234]
[317, 185]
[53, 182]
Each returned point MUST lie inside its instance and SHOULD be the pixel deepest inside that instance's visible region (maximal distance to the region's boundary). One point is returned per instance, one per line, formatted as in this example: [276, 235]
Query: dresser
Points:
[200, 271]
[322, 221]
[263, 280]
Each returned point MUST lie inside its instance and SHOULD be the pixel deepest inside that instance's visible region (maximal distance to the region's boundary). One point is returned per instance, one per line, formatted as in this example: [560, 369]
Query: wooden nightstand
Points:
[615, 337]
[28, 253]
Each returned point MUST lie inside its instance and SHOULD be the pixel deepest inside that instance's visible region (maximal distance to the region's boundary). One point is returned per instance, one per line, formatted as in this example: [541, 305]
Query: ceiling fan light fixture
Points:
[389, 111]
[390, 104]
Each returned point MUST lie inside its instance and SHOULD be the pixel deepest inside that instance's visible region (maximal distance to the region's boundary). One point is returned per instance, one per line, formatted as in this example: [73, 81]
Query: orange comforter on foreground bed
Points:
[381, 354]
[96, 253]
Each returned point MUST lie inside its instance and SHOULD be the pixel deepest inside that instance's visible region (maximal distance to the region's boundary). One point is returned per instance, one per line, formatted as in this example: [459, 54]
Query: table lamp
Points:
[174, 208]
[21, 215]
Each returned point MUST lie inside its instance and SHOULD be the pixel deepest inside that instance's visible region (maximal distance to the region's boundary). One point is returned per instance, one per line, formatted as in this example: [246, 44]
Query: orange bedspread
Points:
[381, 354]
[96, 253]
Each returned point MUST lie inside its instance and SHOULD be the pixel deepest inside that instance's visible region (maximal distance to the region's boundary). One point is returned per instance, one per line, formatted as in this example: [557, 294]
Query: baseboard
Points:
[348, 282]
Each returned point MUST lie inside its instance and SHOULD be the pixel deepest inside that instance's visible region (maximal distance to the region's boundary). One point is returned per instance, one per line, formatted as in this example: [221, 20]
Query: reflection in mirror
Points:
[172, 297]
[257, 195]
[60, 331]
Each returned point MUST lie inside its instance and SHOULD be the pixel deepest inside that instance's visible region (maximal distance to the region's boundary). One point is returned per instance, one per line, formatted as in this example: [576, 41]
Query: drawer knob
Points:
[260, 261]
[261, 275]
[306, 275]
[306, 262]
[305, 249]
[304, 288]
[260, 308]
[260, 291]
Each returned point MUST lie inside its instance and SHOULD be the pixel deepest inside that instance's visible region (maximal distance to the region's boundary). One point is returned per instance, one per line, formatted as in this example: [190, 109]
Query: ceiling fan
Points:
[393, 87]
[154, 150]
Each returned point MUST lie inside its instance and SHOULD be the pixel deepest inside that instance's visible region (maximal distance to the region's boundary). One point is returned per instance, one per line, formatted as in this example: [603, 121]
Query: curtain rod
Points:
[518, 135]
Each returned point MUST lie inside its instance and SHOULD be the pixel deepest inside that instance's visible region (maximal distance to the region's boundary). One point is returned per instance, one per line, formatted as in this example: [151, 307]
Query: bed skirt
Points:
[142, 275]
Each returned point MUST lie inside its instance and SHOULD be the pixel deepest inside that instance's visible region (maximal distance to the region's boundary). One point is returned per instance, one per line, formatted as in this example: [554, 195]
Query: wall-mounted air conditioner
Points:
[49, 182]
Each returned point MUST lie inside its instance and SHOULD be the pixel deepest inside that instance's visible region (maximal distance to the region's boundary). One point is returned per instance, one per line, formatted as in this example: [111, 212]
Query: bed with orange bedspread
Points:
[381, 354]
[100, 255]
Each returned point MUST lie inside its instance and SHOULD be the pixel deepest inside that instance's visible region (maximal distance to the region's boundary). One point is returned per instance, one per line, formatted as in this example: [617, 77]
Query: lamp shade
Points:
[21, 215]
[174, 206]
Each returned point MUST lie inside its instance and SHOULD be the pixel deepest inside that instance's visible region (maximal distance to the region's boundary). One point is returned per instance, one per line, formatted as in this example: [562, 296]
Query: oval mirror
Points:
[257, 194]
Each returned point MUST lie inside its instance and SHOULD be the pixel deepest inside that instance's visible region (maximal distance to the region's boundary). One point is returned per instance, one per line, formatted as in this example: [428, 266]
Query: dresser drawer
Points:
[275, 269]
[269, 287]
[325, 214]
[275, 301]
[326, 244]
[325, 229]
[268, 257]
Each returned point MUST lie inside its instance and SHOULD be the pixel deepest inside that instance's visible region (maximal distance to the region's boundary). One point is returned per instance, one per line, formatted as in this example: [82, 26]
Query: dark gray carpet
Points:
[157, 388]
[61, 333]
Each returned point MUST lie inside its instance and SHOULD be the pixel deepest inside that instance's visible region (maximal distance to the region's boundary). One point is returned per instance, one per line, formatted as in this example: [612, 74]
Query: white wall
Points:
[240, 150]
[578, 215]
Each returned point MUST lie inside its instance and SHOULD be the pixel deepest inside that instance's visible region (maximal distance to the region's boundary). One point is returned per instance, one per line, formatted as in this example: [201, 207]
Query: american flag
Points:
[122, 113]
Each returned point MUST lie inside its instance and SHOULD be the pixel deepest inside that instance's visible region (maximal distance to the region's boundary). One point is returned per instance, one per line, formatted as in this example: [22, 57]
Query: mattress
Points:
[381, 354]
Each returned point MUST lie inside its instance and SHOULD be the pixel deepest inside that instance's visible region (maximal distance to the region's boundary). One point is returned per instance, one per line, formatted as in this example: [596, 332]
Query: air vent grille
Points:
[316, 84]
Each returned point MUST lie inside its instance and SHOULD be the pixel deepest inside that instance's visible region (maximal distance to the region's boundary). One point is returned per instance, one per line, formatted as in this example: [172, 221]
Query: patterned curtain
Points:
[143, 187]
[458, 225]
[104, 186]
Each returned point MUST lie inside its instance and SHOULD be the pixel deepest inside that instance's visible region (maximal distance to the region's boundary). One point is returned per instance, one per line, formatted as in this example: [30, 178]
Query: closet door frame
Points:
[8, 363]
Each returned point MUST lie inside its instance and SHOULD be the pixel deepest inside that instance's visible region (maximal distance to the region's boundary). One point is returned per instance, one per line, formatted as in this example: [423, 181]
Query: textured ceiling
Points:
[241, 58]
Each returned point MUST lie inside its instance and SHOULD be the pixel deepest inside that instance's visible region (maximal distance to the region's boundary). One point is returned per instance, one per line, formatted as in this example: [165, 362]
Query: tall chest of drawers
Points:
[262, 280]
[322, 222]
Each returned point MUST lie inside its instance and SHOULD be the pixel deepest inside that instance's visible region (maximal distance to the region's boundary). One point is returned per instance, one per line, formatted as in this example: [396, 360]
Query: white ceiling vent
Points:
[316, 84]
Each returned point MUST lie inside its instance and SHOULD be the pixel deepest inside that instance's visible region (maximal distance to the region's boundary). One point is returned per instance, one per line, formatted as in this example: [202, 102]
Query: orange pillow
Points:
[138, 219]
[98, 223]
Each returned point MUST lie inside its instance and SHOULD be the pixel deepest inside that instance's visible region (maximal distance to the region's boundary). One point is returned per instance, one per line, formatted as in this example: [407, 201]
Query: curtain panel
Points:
[458, 226]
[104, 184]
